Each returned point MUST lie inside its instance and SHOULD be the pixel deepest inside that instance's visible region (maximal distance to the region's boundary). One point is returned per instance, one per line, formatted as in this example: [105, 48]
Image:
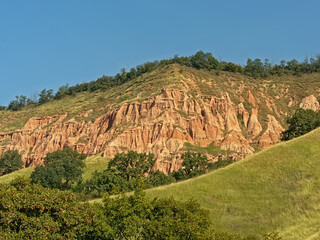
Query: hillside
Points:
[92, 164]
[159, 112]
[276, 189]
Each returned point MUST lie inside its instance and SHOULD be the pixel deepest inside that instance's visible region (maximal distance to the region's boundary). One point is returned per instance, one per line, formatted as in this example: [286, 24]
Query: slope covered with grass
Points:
[92, 164]
[277, 189]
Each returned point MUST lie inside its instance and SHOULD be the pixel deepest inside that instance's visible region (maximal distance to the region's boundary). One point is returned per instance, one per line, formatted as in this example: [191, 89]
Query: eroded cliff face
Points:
[159, 125]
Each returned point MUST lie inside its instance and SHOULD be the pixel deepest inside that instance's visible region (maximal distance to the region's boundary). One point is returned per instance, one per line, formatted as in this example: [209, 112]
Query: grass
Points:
[92, 164]
[25, 172]
[210, 149]
[277, 189]
[182, 113]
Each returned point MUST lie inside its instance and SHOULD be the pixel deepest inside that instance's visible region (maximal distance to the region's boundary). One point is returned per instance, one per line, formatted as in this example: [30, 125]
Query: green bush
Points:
[158, 178]
[302, 122]
[137, 217]
[30, 211]
[132, 164]
[61, 169]
[122, 174]
[10, 161]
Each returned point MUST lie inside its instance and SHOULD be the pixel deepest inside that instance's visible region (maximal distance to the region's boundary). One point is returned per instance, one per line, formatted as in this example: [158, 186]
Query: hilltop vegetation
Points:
[254, 68]
[150, 84]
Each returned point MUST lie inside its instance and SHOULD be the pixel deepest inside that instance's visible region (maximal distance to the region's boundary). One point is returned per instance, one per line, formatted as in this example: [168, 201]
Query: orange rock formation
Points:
[159, 125]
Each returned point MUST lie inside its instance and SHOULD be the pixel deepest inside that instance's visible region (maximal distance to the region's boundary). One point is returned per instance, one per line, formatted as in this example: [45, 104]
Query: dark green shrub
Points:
[61, 169]
[302, 122]
[158, 178]
[10, 161]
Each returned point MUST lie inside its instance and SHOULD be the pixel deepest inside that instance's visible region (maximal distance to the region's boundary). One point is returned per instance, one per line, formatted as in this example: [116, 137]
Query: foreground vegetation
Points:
[29, 211]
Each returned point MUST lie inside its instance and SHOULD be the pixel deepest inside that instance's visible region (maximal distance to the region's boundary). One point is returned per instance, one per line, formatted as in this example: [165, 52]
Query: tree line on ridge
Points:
[254, 68]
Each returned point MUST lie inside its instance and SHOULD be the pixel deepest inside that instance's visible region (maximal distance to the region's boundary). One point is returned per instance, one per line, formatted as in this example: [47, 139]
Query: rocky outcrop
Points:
[273, 133]
[159, 125]
[250, 98]
[310, 102]
[254, 126]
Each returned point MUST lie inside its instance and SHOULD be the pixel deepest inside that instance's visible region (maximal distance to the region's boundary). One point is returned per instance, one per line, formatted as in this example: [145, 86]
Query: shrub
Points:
[158, 178]
[10, 161]
[302, 122]
[29, 211]
[61, 169]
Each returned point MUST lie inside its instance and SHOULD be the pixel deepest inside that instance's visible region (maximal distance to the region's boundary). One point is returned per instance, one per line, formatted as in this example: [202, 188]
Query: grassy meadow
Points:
[277, 189]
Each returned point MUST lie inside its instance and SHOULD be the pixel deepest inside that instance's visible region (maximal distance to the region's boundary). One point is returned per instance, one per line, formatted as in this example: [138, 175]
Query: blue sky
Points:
[46, 44]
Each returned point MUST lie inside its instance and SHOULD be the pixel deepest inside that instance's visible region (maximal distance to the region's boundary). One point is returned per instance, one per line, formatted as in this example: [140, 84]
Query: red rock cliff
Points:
[160, 125]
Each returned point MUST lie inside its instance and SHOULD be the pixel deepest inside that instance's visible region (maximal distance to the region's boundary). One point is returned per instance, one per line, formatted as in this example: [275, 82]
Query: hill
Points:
[276, 189]
[165, 111]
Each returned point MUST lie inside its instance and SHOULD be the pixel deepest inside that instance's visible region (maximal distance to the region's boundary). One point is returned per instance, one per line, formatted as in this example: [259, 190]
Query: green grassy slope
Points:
[25, 172]
[93, 163]
[275, 189]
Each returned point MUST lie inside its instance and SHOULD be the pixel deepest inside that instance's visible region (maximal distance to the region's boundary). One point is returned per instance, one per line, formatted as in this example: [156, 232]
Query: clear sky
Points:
[46, 44]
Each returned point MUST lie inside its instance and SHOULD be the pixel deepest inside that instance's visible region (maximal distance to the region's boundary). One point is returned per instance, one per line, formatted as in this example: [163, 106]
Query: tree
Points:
[29, 211]
[255, 68]
[107, 181]
[10, 161]
[204, 60]
[18, 103]
[158, 178]
[139, 217]
[45, 96]
[230, 67]
[61, 169]
[62, 91]
[194, 163]
[302, 122]
[132, 164]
